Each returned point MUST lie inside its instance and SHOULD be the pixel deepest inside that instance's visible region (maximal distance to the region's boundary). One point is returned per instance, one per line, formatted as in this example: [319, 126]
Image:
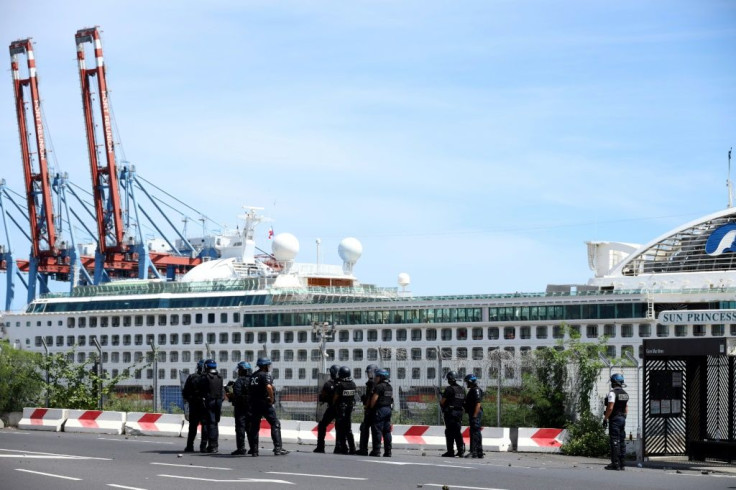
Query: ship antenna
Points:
[729, 184]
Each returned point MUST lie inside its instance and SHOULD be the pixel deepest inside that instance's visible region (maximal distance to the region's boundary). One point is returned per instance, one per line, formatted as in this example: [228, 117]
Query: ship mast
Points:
[729, 184]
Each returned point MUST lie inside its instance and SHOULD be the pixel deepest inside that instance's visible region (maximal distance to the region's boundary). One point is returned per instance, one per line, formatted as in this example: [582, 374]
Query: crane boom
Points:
[104, 175]
[37, 182]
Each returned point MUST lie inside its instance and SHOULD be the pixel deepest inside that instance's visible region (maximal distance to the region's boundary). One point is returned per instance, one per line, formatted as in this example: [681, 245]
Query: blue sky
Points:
[475, 145]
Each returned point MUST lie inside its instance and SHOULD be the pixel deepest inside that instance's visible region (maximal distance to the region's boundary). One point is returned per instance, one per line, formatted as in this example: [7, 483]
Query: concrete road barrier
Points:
[154, 424]
[95, 421]
[51, 419]
[533, 440]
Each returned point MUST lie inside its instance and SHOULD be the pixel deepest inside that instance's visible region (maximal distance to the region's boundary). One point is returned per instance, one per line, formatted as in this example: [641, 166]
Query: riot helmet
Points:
[370, 371]
[470, 378]
[244, 366]
[263, 361]
[617, 379]
[344, 372]
[210, 364]
[200, 366]
[383, 373]
[333, 371]
[451, 377]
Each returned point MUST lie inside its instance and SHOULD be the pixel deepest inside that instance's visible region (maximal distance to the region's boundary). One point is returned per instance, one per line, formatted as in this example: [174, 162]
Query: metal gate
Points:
[689, 398]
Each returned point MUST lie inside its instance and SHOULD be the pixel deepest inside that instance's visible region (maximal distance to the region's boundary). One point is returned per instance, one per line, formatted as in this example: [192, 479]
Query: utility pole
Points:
[101, 370]
[46, 355]
[324, 331]
[155, 375]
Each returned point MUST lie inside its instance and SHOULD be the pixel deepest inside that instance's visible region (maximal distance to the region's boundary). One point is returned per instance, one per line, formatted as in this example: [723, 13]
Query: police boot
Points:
[461, 451]
[621, 465]
[351, 444]
[320, 447]
[612, 466]
[450, 453]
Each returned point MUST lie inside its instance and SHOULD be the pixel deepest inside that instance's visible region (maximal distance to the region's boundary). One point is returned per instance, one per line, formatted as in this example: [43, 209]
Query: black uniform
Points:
[325, 396]
[452, 410]
[365, 426]
[474, 396]
[344, 401]
[242, 413]
[261, 407]
[193, 396]
[210, 384]
[617, 425]
[382, 418]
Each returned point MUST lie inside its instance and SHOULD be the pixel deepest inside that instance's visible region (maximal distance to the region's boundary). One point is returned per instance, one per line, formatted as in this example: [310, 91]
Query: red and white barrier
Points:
[307, 433]
[495, 439]
[418, 435]
[532, 440]
[95, 421]
[226, 428]
[51, 419]
[154, 424]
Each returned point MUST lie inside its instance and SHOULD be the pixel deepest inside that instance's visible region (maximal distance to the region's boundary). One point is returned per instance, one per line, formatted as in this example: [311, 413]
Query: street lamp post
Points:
[639, 453]
[100, 371]
[46, 349]
[155, 375]
[325, 331]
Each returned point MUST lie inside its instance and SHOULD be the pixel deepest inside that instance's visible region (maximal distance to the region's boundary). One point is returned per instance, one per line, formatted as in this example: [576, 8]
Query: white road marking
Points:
[48, 474]
[402, 463]
[459, 486]
[316, 476]
[134, 440]
[123, 486]
[193, 466]
[35, 454]
[241, 480]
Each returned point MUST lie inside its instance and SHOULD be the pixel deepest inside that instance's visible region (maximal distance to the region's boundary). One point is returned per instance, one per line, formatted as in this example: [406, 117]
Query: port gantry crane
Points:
[114, 257]
[49, 258]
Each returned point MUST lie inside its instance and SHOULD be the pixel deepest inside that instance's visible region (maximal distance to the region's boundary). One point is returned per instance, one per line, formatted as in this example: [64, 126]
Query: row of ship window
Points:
[423, 316]
[626, 330]
[414, 373]
[385, 354]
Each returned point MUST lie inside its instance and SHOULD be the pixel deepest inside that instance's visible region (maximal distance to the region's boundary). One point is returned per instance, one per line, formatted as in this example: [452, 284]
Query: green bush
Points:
[21, 382]
[586, 437]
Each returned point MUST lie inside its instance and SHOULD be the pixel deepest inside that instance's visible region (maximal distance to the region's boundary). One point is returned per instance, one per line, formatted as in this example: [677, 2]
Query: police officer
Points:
[326, 396]
[615, 419]
[475, 414]
[343, 401]
[381, 402]
[241, 412]
[191, 393]
[365, 426]
[210, 384]
[261, 397]
[451, 404]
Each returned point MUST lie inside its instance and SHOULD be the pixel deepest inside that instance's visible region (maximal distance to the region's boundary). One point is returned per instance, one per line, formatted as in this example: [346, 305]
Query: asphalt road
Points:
[50, 460]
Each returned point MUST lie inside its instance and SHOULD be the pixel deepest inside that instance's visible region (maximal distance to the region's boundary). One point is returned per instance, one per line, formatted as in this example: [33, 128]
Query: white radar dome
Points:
[404, 279]
[285, 247]
[350, 250]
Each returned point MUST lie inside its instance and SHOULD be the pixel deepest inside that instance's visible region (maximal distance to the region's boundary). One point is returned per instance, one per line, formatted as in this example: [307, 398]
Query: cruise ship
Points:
[304, 316]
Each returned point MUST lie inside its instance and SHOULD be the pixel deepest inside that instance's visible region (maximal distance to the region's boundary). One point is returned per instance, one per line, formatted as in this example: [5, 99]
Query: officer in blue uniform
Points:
[343, 401]
[241, 410]
[261, 399]
[381, 402]
[365, 426]
[451, 404]
[615, 418]
[325, 396]
[475, 414]
[191, 393]
[211, 387]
